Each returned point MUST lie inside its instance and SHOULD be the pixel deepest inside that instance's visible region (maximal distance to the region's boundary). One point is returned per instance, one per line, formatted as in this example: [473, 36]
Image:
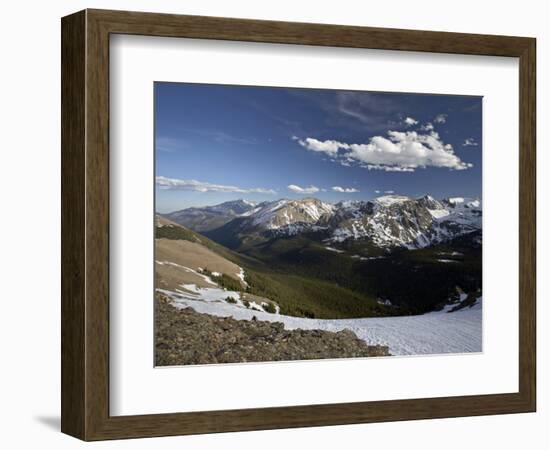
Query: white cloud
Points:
[378, 191]
[440, 118]
[300, 190]
[470, 142]
[398, 152]
[343, 189]
[427, 127]
[409, 121]
[329, 147]
[201, 186]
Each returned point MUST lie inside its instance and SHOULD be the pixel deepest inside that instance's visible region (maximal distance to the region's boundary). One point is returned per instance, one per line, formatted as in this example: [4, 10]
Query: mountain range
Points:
[387, 222]
[207, 218]
[393, 255]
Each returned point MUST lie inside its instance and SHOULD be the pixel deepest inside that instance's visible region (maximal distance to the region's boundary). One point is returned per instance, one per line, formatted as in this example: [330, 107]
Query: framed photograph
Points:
[273, 225]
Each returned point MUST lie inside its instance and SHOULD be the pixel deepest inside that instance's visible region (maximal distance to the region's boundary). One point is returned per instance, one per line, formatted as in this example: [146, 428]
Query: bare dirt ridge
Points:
[185, 337]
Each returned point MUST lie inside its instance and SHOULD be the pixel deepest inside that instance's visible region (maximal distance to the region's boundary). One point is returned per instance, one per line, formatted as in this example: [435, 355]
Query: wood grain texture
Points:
[97, 225]
[85, 224]
[527, 224]
[201, 27]
[73, 226]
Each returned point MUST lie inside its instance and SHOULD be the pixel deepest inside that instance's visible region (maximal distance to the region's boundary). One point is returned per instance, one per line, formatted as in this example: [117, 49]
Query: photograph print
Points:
[305, 224]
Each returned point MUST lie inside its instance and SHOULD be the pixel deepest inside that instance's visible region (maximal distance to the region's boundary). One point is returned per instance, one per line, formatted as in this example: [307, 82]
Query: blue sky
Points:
[215, 143]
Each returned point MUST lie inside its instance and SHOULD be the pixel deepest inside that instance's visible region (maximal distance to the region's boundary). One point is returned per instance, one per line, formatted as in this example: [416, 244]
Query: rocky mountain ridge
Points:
[210, 217]
[389, 221]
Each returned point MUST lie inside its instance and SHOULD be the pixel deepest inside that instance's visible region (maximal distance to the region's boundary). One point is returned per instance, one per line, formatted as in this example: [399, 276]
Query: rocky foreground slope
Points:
[184, 337]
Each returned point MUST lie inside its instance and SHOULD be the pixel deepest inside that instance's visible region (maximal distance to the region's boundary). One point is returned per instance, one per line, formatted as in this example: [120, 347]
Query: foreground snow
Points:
[432, 333]
[216, 295]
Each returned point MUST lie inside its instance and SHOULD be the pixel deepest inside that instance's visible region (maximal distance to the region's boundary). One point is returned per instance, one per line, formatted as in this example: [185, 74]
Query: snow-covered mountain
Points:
[287, 214]
[210, 217]
[274, 219]
[399, 221]
[389, 221]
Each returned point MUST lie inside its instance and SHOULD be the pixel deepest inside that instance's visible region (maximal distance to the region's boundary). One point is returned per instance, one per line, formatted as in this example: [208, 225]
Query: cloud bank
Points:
[343, 189]
[398, 152]
[300, 190]
[202, 186]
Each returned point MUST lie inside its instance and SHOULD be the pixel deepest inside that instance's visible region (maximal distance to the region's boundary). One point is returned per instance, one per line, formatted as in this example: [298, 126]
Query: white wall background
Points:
[30, 225]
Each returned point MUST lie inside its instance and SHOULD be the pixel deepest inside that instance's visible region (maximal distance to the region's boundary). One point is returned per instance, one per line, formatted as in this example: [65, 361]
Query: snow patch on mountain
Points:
[189, 270]
[388, 200]
[438, 213]
[241, 276]
[456, 200]
[250, 212]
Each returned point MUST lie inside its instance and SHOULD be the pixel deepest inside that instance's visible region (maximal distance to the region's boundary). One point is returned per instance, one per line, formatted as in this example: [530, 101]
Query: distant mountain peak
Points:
[280, 213]
[210, 217]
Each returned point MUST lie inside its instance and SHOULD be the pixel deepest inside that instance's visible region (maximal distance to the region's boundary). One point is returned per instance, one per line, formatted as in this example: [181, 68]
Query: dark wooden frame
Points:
[85, 224]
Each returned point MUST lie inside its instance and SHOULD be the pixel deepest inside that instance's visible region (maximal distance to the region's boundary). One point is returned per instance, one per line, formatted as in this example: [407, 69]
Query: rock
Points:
[184, 337]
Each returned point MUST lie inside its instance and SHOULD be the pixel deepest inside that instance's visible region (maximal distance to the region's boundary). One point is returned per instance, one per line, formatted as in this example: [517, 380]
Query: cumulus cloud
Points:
[409, 121]
[398, 152]
[303, 190]
[378, 191]
[440, 118]
[427, 127]
[470, 142]
[329, 147]
[202, 186]
[343, 189]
